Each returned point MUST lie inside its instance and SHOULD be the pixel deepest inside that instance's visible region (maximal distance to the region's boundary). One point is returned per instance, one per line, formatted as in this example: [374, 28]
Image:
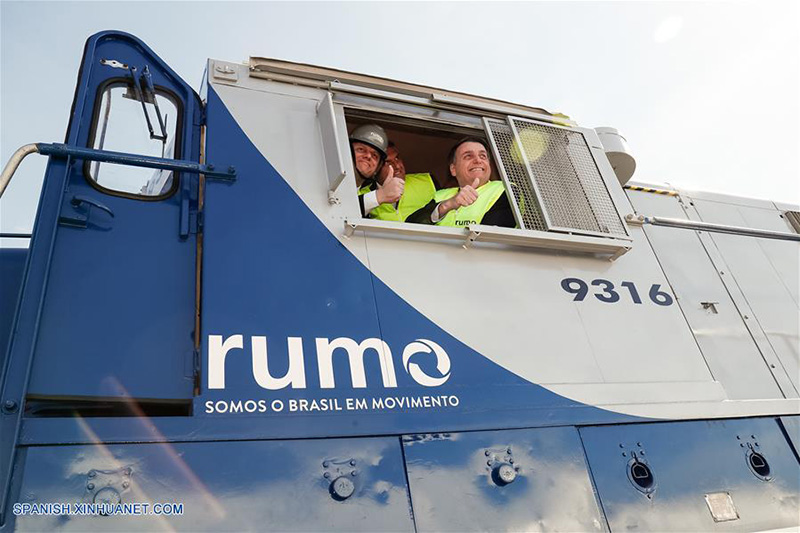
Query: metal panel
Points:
[331, 144]
[718, 328]
[566, 179]
[507, 323]
[257, 294]
[766, 272]
[784, 257]
[88, 345]
[526, 203]
[791, 425]
[12, 268]
[231, 486]
[511, 323]
[460, 481]
[690, 462]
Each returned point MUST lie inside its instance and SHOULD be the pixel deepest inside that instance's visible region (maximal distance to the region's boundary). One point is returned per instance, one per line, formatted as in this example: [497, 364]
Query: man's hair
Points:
[391, 145]
[451, 157]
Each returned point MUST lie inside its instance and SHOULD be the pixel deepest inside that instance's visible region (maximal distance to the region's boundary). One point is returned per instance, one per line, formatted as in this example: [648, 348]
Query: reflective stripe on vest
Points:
[419, 190]
[472, 214]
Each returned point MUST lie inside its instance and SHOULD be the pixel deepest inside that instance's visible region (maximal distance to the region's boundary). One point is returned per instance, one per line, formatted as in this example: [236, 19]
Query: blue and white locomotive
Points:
[204, 320]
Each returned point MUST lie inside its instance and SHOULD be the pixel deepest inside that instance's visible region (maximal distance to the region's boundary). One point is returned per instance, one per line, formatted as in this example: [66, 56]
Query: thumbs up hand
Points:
[467, 194]
[392, 188]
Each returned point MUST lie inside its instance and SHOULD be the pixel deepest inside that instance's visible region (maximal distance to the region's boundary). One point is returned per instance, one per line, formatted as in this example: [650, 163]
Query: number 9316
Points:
[606, 292]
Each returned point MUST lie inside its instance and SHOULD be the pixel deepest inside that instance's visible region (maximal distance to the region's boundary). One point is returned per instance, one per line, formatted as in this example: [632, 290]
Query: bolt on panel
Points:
[514, 480]
[724, 475]
[309, 485]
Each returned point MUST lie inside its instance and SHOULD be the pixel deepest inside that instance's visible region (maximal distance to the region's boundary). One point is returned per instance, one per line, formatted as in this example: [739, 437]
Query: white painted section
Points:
[507, 302]
[715, 320]
[766, 271]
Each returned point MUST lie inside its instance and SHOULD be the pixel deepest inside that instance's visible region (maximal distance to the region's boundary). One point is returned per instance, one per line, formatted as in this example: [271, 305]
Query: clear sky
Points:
[707, 94]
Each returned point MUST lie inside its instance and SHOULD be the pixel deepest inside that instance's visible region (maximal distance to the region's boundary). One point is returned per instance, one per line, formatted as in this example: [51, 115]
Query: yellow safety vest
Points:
[472, 214]
[419, 190]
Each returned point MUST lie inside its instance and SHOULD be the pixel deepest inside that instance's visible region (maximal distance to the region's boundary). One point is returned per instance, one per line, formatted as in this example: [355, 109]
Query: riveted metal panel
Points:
[691, 463]
[717, 325]
[767, 273]
[231, 486]
[456, 482]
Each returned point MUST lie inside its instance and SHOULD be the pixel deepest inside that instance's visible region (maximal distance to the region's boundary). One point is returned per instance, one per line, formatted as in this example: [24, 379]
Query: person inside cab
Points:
[387, 192]
[477, 199]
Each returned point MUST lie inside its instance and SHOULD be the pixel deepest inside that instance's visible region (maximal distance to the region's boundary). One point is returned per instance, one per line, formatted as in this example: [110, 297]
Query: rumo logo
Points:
[295, 377]
[414, 370]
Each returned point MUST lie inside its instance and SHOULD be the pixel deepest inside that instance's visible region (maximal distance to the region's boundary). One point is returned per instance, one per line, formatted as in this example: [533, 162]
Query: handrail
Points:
[13, 163]
[712, 228]
[120, 158]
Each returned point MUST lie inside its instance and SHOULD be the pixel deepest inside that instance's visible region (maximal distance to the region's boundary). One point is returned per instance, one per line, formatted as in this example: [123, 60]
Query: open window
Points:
[141, 122]
[423, 146]
[552, 172]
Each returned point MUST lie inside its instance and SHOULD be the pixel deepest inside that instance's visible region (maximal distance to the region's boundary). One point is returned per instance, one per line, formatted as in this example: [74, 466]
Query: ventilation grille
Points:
[569, 185]
[510, 163]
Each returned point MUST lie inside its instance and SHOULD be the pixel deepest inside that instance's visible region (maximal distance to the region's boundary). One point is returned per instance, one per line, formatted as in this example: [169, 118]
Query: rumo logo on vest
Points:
[295, 377]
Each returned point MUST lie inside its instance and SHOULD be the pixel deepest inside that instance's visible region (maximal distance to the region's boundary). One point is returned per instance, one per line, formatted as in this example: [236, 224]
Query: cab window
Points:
[123, 123]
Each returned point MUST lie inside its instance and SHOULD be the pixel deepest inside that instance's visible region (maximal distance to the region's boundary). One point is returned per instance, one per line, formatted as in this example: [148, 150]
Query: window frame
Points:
[576, 240]
[176, 150]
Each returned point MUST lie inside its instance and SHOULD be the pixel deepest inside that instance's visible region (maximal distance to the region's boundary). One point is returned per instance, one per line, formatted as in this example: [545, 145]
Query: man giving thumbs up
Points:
[476, 200]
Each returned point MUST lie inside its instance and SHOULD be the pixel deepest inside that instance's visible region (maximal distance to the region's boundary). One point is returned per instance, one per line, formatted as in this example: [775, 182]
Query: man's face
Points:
[367, 159]
[471, 162]
[394, 160]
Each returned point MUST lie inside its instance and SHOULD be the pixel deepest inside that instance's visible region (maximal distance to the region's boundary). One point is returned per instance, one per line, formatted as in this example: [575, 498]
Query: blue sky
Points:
[707, 94]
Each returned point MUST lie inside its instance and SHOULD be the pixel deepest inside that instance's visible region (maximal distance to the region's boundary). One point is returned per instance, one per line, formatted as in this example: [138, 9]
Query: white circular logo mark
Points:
[414, 370]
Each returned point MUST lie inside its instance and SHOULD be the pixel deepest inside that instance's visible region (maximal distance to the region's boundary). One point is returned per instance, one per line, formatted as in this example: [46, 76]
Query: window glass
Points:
[122, 127]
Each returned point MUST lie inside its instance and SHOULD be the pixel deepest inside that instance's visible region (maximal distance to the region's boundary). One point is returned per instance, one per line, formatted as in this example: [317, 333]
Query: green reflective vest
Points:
[472, 214]
[419, 190]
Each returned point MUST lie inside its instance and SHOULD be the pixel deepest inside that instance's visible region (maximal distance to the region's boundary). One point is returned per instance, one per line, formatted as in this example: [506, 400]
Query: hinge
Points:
[199, 219]
[196, 368]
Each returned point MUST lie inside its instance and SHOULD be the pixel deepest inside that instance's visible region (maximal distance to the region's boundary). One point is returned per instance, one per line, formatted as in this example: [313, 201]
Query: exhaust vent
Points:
[618, 153]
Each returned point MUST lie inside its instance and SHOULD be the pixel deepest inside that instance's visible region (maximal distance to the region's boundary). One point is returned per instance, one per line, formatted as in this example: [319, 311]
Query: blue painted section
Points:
[295, 279]
[689, 460]
[226, 486]
[15, 378]
[791, 427]
[238, 427]
[118, 317]
[12, 268]
[550, 491]
[72, 336]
